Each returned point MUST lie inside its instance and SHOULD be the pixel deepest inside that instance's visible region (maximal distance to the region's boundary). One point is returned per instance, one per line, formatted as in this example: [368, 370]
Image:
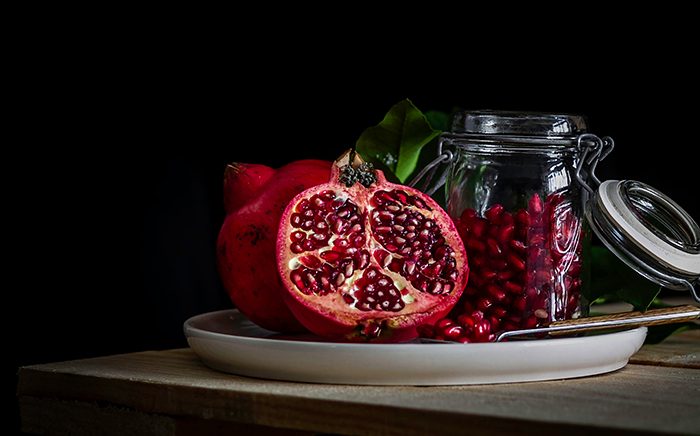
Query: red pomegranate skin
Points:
[255, 197]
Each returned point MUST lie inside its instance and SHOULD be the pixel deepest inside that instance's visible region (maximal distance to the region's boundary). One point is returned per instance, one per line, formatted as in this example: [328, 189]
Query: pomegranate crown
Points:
[356, 170]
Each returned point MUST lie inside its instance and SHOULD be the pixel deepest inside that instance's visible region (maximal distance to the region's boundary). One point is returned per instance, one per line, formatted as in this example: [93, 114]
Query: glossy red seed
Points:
[522, 218]
[505, 275]
[505, 233]
[516, 262]
[443, 323]
[467, 214]
[517, 246]
[494, 249]
[520, 304]
[452, 332]
[482, 330]
[497, 311]
[483, 303]
[513, 288]
[475, 245]
[480, 228]
[493, 214]
[487, 274]
[530, 322]
[535, 204]
[496, 292]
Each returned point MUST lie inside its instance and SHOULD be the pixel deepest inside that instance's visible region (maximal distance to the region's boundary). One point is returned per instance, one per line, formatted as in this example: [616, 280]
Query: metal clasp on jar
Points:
[592, 150]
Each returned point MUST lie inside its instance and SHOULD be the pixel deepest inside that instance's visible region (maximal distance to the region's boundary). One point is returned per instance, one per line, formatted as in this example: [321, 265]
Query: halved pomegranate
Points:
[366, 259]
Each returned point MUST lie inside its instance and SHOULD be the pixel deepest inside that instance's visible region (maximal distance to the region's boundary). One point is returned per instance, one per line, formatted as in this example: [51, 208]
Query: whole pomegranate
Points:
[254, 198]
[368, 260]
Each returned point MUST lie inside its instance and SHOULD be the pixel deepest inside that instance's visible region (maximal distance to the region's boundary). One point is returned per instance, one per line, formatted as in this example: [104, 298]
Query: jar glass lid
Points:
[649, 232]
[509, 123]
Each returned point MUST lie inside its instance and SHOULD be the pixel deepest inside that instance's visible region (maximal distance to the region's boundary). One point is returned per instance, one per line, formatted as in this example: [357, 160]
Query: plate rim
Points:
[189, 328]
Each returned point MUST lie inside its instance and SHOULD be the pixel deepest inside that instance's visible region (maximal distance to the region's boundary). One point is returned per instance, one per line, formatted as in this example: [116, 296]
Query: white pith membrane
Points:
[364, 259]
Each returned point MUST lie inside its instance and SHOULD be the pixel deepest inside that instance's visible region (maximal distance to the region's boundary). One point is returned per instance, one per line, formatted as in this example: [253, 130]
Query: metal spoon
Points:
[666, 315]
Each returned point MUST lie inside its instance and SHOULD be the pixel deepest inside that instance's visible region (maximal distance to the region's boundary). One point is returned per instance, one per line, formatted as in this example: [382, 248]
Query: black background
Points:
[117, 198]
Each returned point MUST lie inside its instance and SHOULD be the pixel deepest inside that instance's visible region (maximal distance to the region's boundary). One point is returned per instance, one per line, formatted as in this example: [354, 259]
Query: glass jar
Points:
[516, 189]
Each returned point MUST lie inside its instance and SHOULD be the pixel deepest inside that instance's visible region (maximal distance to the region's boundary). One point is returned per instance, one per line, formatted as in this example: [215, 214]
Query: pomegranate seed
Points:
[435, 288]
[302, 205]
[505, 233]
[475, 245]
[443, 323]
[480, 228]
[505, 275]
[507, 218]
[498, 264]
[483, 303]
[535, 205]
[522, 218]
[519, 304]
[296, 220]
[494, 250]
[487, 274]
[310, 262]
[417, 202]
[513, 288]
[330, 256]
[496, 292]
[452, 332]
[466, 321]
[467, 216]
[493, 214]
[297, 236]
[482, 331]
[531, 322]
[497, 311]
[516, 262]
[541, 313]
[401, 196]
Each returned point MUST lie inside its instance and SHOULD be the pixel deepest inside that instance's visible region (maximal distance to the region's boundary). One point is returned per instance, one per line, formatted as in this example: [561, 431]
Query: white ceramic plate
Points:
[228, 342]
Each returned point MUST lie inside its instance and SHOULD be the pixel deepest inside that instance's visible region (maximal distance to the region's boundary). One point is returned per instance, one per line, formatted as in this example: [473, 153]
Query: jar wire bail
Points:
[592, 150]
[444, 157]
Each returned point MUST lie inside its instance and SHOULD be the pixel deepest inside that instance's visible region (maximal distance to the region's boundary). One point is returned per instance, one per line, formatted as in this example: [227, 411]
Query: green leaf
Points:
[657, 333]
[439, 120]
[395, 143]
[613, 280]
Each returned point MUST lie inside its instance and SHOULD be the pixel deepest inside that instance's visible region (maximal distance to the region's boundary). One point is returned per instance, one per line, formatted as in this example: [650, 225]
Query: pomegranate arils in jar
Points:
[370, 260]
[526, 267]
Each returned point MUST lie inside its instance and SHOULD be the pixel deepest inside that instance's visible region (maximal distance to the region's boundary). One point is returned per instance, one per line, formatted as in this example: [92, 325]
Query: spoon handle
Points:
[629, 319]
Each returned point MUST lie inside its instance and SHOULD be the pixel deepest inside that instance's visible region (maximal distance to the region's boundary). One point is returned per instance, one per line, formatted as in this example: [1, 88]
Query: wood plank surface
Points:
[638, 398]
[681, 349]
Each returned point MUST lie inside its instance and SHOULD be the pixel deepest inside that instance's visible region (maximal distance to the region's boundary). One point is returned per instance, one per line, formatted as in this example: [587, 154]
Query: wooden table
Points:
[173, 393]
